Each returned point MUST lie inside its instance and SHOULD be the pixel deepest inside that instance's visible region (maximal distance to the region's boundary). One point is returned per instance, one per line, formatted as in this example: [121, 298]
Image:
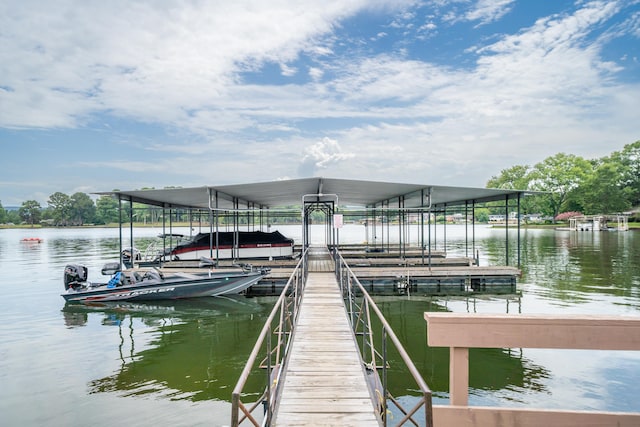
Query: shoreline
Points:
[632, 226]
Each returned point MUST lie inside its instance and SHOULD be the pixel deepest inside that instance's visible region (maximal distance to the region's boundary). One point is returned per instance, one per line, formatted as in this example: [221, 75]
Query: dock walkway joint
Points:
[324, 382]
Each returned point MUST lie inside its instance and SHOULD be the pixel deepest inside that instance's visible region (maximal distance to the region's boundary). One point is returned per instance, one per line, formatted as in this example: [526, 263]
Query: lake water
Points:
[176, 363]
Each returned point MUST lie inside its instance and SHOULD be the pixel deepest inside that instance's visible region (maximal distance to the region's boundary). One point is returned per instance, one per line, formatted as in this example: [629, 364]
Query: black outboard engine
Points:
[74, 275]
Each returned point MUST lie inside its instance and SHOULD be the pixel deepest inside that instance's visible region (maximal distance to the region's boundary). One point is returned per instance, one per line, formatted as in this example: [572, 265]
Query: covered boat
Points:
[154, 284]
[233, 245]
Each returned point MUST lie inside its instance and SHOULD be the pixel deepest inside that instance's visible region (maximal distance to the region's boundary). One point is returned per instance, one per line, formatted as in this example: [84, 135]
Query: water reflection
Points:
[574, 267]
[193, 350]
[490, 369]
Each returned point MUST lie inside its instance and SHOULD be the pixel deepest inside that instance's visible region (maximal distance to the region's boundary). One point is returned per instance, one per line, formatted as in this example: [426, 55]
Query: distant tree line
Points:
[63, 210]
[79, 209]
[565, 182]
[570, 183]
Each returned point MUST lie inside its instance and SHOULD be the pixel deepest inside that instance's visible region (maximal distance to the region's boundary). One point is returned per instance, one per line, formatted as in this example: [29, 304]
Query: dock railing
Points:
[361, 308]
[461, 331]
[269, 352]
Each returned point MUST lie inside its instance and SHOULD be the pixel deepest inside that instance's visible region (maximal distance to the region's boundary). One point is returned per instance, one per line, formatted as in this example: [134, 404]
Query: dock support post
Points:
[506, 228]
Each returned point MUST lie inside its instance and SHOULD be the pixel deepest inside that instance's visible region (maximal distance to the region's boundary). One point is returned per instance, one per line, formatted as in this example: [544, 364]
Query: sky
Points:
[104, 95]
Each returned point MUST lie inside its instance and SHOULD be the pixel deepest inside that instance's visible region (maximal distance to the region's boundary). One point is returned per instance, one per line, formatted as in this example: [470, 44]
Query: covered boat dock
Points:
[387, 210]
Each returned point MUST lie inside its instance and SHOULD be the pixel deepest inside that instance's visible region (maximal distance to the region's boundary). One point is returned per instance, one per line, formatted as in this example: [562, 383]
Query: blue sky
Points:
[96, 96]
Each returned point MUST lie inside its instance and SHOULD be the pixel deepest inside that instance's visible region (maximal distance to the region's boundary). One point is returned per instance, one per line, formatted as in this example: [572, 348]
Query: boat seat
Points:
[151, 275]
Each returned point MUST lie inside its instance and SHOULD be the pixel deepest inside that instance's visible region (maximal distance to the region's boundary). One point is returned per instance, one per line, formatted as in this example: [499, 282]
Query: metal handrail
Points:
[285, 311]
[359, 314]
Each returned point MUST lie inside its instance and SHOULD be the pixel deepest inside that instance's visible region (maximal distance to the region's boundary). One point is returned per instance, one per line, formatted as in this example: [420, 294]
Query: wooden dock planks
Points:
[324, 383]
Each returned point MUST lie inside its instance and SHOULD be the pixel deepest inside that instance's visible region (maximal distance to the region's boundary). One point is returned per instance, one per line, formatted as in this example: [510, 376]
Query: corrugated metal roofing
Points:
[350, 193]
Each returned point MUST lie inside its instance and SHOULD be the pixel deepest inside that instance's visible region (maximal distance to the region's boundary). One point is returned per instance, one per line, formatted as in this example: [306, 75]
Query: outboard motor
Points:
[74, 275]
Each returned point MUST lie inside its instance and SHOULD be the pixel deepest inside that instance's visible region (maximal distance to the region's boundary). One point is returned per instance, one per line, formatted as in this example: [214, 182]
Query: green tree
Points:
[83, 210]
[3, 214]
[106, 210]
[30, 212]
[629, 161]
[603, 191]
[514, 178]
[482, 215]
[13, 217]
[60, 205]
[558, 177]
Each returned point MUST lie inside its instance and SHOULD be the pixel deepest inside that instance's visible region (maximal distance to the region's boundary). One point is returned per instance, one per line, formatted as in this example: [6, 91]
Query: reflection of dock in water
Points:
[492, 369]
[184, 349]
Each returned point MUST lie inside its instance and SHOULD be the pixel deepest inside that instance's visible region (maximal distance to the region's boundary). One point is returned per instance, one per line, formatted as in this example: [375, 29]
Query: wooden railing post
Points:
[459, 376]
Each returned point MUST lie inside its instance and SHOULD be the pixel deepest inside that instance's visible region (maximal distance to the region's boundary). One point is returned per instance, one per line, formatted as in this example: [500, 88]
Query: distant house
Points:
[496, 219]
[455, 218]
[534, 218]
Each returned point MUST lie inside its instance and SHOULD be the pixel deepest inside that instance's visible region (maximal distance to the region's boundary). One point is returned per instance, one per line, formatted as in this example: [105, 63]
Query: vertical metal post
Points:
[435, 227]
[466, 228]
[422, 226]
[217, 230]
[506, 228]
[519, 195]
[132, 255]
[445, 229]
[120, 229]
[210, 225]
[386, 213]
[473, 227]
[235, 250]
[429, 234]
[400, 228]
[164, 231]
[170, 228]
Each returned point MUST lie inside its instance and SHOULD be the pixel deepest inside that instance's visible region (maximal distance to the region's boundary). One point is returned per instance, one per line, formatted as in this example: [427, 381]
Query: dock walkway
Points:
[324, 382]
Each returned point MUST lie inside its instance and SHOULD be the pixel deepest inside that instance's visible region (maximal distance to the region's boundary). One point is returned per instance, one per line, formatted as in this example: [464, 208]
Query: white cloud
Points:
[62, 61]
[288, 71]
[487, 11]
[321, 155]
[315, 73]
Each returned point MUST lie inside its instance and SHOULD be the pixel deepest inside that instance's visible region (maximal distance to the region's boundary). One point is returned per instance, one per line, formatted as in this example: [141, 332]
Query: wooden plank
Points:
[324, 381]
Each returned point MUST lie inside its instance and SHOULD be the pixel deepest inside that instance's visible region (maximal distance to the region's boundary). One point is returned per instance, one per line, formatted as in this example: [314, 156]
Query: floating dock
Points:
[384, 273]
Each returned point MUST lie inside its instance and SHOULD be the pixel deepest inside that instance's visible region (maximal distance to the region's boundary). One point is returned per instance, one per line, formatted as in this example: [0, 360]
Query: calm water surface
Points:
[176, 363]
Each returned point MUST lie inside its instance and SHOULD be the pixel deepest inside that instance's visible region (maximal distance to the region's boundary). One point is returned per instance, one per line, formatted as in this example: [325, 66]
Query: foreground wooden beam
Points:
[533, 331]
[474, 416]
[461, 331]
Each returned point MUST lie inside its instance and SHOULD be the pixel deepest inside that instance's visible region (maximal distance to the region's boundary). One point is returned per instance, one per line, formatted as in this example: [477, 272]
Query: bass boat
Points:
[153, 284]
